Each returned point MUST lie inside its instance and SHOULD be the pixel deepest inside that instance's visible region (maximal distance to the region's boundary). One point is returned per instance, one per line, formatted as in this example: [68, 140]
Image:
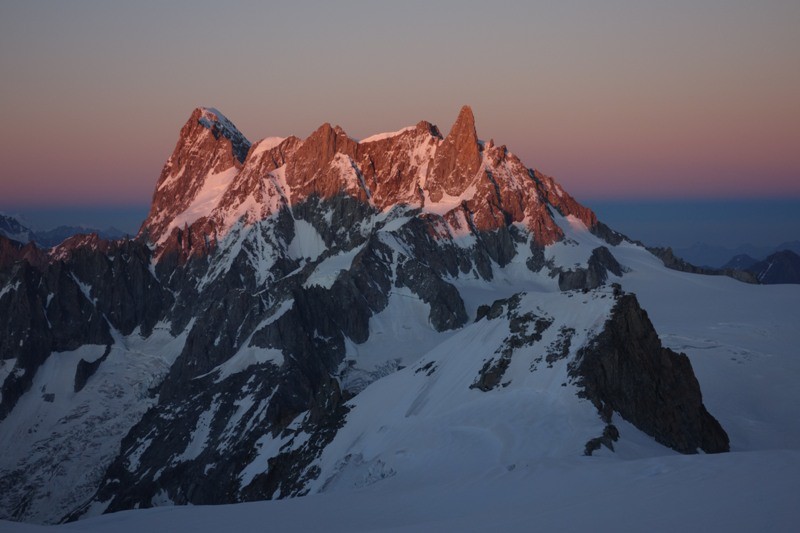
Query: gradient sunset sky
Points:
[616, 99]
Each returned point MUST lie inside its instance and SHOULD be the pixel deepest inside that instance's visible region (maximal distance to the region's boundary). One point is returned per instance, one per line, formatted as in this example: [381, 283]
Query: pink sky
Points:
[614, 99]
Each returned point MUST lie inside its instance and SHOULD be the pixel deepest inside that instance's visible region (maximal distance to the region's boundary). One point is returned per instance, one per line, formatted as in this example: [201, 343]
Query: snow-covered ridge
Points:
[211, 116]
[386, 135]
[265, 144]
[397, 174]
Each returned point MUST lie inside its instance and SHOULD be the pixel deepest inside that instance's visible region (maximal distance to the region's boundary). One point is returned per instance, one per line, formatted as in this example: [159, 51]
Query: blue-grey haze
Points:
[682, 223]
[676, 223]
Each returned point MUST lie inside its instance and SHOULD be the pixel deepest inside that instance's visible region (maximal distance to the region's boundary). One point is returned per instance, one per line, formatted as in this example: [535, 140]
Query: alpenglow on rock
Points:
[305, 315]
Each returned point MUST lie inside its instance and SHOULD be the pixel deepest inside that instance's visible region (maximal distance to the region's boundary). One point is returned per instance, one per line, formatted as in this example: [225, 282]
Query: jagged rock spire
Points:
[309, 171]
[457, 160]
[209, 183]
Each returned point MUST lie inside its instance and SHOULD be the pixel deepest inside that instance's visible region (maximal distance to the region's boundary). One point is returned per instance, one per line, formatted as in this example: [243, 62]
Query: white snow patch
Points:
[211, 114]
[307, 242]
[422, 156]
[12, 287]
[328, 270]
[576, 247]
[205, 201]
[161, 499]
[395, 223]
[268, 447]
[248, 356]
[135, 456]
[349, 176]
[243, 405]
[448, 203]
[266, 144]
[85, 288]
[279, 178]
[387, 135]
[6, 366]
[172, 179]
[199, 437]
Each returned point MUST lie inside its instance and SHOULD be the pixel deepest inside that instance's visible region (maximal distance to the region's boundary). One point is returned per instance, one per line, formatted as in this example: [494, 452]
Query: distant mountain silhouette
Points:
[709, 255]
[15, 229]
[780, 267]
[740, 262]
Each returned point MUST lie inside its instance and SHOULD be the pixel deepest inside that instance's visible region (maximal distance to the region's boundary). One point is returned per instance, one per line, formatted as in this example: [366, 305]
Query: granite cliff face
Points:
[457, 159]
[209, 146]
[625, 369]
[272, 284]
[209, 185]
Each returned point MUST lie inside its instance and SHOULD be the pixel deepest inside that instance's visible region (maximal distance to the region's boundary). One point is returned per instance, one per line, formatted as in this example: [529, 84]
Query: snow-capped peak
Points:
[475, 186]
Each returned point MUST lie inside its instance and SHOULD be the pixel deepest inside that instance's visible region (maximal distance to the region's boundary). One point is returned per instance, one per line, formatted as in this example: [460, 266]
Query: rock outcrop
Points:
[600, 263]
[625, 369]
[85, 288]
[457, 159]
[674, 262]
[208, 146]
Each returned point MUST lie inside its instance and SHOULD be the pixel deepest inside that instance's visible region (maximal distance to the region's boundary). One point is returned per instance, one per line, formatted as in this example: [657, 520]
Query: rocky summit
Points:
[306, 315]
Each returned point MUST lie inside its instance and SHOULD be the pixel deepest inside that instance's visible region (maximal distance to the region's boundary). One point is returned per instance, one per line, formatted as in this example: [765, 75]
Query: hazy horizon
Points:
[679, 223]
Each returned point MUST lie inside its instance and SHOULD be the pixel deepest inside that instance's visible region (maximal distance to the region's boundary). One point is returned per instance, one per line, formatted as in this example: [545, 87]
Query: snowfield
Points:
[422, 451]
[54, 429]
[738, 491]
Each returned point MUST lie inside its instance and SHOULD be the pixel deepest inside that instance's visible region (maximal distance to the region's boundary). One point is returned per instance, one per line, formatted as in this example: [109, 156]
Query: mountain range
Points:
[779, 267]
[325, 315]
[14, 229]
[712, 256]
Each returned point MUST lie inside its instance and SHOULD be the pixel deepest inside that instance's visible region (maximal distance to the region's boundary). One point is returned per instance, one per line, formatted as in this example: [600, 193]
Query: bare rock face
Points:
[208, 144]
[12, 251]
[324, 166]
[414, 167]
[256, 186]
[48, 312]
[600, 263]
[72, 245]
[457, 160]
[394, 168]
[565, 204]
[627, 370]
[86, 370]
[507, 192]
[87, 286]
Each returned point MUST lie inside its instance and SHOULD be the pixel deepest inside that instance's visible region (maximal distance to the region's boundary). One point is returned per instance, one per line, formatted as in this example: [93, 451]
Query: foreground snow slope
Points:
[751, 491]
